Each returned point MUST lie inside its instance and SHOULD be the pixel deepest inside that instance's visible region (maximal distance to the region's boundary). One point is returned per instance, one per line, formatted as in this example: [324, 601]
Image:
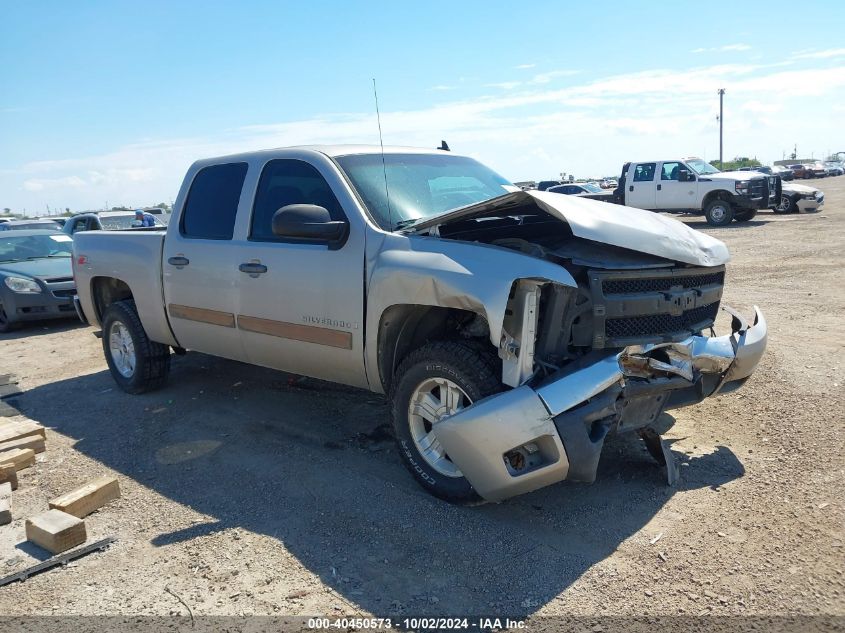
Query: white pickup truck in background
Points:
[694, 186]
[512, 330]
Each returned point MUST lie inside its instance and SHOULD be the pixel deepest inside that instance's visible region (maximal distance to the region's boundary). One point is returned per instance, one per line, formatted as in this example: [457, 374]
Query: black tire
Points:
[471, 369]
[787, 205]
[745, 216]
[719, 213]
[152, 360]
[5, 324]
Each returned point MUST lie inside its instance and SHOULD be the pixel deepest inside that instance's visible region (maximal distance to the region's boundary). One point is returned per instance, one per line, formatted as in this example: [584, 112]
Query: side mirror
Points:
[308, 222]
[685, 176]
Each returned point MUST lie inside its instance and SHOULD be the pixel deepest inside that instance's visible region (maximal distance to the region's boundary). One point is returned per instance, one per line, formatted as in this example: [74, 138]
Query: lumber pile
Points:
[62, 526]
[20, 440]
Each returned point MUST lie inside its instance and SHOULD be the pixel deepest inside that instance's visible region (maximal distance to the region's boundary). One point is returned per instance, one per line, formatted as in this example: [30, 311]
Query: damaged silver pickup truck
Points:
[512, 330]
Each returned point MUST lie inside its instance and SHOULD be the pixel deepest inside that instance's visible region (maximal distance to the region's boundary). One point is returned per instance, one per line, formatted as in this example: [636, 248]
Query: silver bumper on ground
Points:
[810, 205]
[529, 437]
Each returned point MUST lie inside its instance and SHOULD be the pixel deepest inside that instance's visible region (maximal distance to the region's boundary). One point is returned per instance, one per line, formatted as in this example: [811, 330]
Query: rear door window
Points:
[212, 202]
[644, 172]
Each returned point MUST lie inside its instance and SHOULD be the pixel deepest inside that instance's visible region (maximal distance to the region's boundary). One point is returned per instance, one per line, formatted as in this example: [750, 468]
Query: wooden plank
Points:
[5, 503]
[20, 457]
[9, 474]
[15, 429]
[55, 531]
[92, 496]
[35, 442]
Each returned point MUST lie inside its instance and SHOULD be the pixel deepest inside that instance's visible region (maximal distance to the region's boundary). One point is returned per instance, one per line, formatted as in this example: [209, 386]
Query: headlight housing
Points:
[22, 284]
[742, 187]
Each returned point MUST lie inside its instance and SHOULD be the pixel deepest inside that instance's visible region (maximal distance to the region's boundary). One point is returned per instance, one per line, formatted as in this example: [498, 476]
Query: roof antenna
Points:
[383, 165]
[444, 146]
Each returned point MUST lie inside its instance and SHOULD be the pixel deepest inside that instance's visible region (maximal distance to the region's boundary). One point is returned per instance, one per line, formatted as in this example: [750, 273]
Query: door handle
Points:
[630, 187]
[251, 268]
[660, 187]
[178, 261]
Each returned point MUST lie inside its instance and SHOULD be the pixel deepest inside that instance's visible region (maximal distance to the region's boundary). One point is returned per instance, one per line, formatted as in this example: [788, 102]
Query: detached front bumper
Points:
[810, 205]
[530, 437]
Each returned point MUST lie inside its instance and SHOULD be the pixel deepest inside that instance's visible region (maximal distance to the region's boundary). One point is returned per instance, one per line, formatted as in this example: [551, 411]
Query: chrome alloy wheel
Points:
[122, 349]
[434, 400]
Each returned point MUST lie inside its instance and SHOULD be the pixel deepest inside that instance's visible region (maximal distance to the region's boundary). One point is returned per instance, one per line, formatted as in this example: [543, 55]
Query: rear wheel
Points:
[786, 205]
[137, 364]
[745, 216]
[719, 213]
[433, 383]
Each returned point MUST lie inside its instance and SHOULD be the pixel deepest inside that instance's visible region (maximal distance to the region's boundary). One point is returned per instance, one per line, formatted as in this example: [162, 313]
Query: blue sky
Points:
[111, 101]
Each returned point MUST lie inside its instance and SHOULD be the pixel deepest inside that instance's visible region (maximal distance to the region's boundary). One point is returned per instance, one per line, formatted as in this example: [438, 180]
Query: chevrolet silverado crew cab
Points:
[512, 330]
[694, 185]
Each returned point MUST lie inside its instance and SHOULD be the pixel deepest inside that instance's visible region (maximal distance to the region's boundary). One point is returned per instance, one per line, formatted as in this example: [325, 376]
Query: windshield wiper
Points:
[406, 224]
[46, 256]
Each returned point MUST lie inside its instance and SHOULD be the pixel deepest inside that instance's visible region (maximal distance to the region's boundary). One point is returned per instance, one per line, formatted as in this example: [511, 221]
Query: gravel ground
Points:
[247, 491]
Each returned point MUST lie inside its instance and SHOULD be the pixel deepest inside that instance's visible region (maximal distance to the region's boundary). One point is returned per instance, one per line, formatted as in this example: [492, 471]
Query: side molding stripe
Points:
[296, 332]
[203, 315]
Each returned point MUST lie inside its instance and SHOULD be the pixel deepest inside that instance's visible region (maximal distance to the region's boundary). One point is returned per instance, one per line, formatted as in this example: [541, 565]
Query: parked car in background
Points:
[785, 173]
[2, 220]
[26, 225]
[544, 185]
[797, 198]
[818, 169]
[762, 169]
[809, 170]
[584, 190]
[36, 278]
[106, 221]
[834, 168]
[609, 183]
[693, 185]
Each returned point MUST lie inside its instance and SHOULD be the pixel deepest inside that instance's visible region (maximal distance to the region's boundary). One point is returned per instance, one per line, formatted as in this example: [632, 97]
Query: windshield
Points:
[21, 248]
[419, 186]
[592, 187]
[701, 168]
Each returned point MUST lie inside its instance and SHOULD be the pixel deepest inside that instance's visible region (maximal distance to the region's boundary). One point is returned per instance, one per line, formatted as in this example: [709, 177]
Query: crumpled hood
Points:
[607, 223]
[44, 268]
[789, 187]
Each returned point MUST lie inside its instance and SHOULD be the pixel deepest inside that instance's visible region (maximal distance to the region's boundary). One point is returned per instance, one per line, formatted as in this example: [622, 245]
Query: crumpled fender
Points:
[417, 270]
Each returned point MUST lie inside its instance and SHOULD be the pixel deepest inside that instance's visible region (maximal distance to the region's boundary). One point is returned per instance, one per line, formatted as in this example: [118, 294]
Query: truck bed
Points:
[133, 257]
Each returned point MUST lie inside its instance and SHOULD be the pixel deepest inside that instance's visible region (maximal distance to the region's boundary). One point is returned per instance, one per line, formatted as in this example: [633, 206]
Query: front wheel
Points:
[786, 205]
[5, 324]
[719, 213]
[137, 364]
[432, 383]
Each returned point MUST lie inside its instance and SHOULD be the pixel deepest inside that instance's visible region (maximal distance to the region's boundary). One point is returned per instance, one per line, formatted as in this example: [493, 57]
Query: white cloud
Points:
[588, 128]
[826, 54]
[723, 49]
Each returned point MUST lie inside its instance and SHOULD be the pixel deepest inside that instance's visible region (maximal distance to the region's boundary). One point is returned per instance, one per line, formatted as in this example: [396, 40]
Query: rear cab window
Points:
[644, 172]
[212, 202]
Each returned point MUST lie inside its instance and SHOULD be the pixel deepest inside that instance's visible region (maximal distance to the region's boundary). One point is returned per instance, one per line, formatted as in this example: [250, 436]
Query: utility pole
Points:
[721, 123]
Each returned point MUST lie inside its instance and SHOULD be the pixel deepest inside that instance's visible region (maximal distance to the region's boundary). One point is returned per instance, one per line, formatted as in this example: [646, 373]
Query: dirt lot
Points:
[247, 491]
